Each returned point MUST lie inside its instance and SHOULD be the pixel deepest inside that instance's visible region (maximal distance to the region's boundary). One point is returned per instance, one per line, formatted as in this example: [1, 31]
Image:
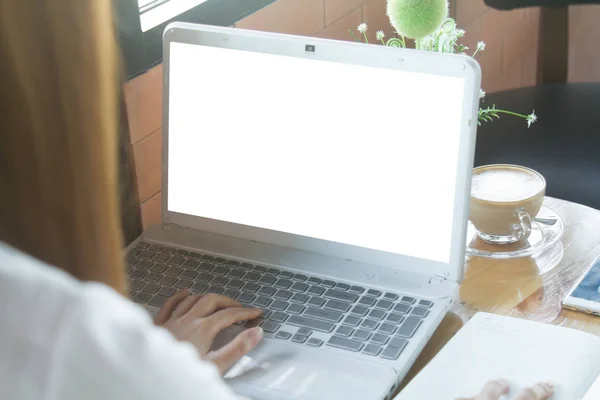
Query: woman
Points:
[62, 338]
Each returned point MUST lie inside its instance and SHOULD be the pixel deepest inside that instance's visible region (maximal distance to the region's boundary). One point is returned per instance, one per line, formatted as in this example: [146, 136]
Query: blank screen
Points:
[351, 154]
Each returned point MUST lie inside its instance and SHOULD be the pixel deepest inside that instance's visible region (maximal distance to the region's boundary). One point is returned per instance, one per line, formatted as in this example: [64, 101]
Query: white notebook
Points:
[524, 352]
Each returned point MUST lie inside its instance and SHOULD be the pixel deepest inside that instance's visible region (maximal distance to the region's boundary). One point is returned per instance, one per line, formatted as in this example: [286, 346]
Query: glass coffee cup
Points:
[504, 201]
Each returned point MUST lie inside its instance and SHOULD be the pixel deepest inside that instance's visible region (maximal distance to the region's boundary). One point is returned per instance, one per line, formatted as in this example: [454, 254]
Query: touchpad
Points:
[282, 370]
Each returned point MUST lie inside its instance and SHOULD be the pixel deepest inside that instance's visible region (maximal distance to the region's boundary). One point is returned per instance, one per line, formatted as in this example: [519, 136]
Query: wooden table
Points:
[530, 287]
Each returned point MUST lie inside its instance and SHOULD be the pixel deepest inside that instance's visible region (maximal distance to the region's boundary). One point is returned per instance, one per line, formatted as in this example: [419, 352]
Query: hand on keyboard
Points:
[198, 319]
[497, 389]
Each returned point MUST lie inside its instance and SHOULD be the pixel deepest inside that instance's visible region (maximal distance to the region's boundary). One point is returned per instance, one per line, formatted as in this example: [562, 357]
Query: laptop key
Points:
[145, 255]
[387, 328]
[251, 277]
[206, 267]
[283, 335]
[299, 298]
[372, 349]
[367, 301]
[142, 245]
[246, 266]
[283, 283]
[168, 250]
[168, 281]
[231, 293]
[263, 301]
[328, 315]
[345, 343]
[194, 255]
[219, 260]
[352, 320]
[384, 304]
[160, 257]
[266, 313]
[151, 288]
[369, 324]
[183, 283]
[283, 294]
[393, 350]
[408, 299]
[219, 281]
[270, 326]
[316, 290]
[278, 316]
[328, 283]
[426, 303]
[314, 281]
[357, 289]
[175, 260]
[314, 342]
[206, 257]
[156, 247]
[220, 270]
[233, 263]
[361, 334]
[344, 331]
[299, 338]
[377, 314]
[181, 253]
[390, 296]
[144, 265]
[199, 287]
[299, 287]
[204, 277]
[342, 286]
[259, 269]
[267, 280]
[251, 287]
[279, 305]
[153, 277]
[235, 284]
[272, 271]
[316, 302]
[300, 277]
[141, 297]
[188, 274]
[304, 331]
[401, 308]
[215, 290]
[373, 292]
[295, 309]
[253, 323]
[360, 310]
[157, 300]
[137, 274]
[394, 318]
[246, 298]
[310, 323]
[267, 291]
[136, 284]
[158, 268]
[419, 312]
[409, 327]
[235, 273]
[339, 295]
[337, 305]
[380, 338]
[286, 275]
[173, 271]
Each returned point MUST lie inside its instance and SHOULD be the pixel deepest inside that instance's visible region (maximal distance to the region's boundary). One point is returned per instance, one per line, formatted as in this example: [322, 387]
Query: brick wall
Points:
[509, 60]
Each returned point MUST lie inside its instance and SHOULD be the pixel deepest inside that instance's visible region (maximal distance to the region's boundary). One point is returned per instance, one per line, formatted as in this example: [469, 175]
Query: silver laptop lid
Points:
[361, 152]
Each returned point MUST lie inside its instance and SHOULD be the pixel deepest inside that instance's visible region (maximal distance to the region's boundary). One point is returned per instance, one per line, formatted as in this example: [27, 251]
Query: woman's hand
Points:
[494, 390]
[198, 319]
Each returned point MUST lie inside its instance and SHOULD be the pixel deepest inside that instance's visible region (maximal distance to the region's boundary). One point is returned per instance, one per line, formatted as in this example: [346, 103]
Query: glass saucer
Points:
[542, 236]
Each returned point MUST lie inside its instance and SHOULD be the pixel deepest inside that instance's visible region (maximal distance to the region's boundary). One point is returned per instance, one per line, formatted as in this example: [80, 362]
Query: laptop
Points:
[325, 182]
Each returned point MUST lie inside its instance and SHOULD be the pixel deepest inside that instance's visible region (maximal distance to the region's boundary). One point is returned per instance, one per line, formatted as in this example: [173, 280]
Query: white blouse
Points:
[64, 339]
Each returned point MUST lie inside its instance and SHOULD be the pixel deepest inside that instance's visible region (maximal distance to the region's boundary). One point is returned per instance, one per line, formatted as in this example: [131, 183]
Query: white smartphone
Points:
[585, 295]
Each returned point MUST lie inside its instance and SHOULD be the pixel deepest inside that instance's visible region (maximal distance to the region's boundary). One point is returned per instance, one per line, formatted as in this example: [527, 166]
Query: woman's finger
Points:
[186, 305]
[229, 316]
[493, 390]
[227, 355]
[540, 391]
[167, 309]
[210, 303]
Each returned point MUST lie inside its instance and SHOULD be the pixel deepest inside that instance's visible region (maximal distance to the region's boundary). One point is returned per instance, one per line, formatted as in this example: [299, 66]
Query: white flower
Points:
[481, 94]
[460, 32]
[480, 46]
[531, 118]
[379, 35]
[362, 28]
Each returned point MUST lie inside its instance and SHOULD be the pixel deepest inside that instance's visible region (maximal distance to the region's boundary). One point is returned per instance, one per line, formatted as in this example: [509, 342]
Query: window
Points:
[141, 23]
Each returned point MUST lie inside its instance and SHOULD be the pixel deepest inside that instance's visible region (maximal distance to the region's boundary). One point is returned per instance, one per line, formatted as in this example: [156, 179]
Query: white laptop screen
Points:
[345, 153]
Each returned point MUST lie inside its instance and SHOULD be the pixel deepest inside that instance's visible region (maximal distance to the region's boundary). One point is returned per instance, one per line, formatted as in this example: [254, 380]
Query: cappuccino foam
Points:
[505, 184]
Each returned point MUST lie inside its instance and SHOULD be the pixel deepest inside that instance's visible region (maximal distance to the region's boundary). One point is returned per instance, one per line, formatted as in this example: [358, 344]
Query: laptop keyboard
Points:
[302, 309]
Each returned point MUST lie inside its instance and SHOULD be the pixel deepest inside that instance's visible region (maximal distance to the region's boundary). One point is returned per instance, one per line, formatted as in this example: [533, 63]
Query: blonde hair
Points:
[58, 140]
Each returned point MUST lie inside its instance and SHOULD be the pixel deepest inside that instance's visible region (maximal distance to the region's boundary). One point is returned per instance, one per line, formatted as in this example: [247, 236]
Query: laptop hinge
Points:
[436, 279]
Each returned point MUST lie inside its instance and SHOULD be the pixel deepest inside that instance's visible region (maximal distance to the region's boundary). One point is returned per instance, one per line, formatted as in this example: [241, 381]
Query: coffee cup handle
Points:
[522, 230]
